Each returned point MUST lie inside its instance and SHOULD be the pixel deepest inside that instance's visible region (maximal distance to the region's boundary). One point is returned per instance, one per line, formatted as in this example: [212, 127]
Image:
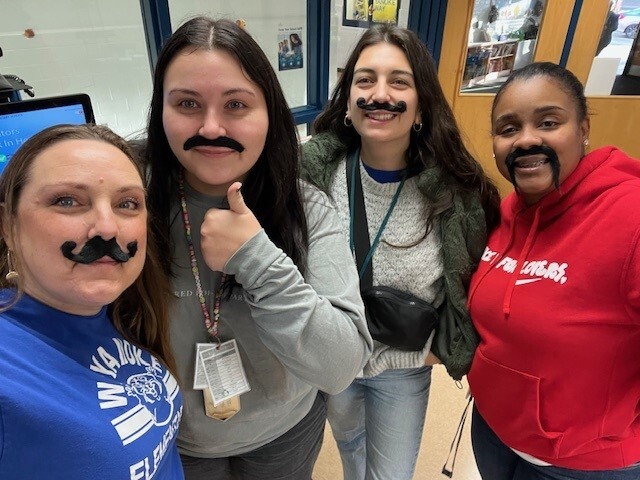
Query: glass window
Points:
[502, 38]
[88, 46]
[278, 26]
[616, 66]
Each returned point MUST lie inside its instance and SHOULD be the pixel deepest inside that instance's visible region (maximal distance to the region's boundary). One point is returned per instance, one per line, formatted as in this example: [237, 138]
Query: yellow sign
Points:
[385, 11]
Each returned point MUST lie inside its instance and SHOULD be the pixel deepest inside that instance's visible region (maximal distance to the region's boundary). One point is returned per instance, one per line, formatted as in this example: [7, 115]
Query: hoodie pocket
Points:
[509, 401]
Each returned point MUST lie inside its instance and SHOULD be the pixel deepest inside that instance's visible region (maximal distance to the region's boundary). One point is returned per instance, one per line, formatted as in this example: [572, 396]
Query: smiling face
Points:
[76, 190]
[383, 74]
[537, 112]
[207, 93]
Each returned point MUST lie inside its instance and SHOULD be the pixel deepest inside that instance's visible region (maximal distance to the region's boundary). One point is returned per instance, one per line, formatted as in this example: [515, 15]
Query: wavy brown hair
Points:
[141, 312]
[438, 142]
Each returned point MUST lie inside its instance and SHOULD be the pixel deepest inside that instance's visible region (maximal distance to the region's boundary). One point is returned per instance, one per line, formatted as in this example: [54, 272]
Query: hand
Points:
[223, 232]
[431, 359]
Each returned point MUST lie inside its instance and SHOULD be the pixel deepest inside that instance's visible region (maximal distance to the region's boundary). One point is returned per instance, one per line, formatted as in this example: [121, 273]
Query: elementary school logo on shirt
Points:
[536, 270]
[144, 394]
[152, 388]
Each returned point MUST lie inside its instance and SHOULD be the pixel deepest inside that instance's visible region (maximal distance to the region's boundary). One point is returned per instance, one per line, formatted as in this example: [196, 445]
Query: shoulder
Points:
[313, 199]
[320, 157]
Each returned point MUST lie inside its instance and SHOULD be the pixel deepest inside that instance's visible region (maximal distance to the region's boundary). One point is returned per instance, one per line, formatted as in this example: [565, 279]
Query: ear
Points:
[6, 227]
[418, 118]
[585, 128]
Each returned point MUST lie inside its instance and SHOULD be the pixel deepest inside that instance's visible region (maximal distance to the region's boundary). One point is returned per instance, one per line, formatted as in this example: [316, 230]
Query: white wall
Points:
[81, 46]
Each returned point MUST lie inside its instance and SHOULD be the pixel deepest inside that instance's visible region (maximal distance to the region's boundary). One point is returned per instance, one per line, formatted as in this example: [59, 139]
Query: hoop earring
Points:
[417, 127]
[11, 274]
[347, 121]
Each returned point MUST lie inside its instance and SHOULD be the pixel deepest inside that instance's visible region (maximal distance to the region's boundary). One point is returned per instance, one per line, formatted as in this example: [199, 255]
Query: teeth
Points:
[530, 164]
[381, 116]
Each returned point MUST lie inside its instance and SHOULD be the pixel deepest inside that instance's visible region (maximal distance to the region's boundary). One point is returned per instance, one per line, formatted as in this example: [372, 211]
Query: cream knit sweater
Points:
[416, 269]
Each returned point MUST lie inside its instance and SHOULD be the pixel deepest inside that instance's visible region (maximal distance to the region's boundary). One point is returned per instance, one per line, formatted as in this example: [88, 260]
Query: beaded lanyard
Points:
[212, 327]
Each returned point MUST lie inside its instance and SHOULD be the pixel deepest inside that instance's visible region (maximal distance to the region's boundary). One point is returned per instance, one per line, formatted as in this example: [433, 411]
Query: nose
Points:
[528, 137]
[103, 223]
[381, 92]
[212, 125]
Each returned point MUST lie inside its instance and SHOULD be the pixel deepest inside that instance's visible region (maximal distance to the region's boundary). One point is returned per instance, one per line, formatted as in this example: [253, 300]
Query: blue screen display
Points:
[16, 128]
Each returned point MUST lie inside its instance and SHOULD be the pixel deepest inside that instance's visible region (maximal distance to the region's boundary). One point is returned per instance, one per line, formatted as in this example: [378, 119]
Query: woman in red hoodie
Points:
[556, 298]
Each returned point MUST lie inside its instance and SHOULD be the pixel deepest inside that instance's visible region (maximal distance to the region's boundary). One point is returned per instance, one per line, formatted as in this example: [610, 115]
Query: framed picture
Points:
[364, 13]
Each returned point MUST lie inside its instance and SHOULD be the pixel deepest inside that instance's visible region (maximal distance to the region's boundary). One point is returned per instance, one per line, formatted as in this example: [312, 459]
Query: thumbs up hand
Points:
[223, 232]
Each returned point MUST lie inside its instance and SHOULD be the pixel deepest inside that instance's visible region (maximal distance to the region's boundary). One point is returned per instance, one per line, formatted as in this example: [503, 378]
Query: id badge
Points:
[224, 375]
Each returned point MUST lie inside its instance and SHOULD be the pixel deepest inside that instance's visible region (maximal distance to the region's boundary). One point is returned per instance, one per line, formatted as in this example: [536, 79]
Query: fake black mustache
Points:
[398, 108]
[549, 152]
[96, 248]
[200, 141]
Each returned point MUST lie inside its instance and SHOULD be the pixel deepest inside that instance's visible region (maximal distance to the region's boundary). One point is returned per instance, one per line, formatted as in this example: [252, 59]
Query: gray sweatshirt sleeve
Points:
[314, 325]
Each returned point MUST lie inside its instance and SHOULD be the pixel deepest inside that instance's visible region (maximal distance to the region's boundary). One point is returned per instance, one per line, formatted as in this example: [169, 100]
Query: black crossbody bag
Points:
[394, 317]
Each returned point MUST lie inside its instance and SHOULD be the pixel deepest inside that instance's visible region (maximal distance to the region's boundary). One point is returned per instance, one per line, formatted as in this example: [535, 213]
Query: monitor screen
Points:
[21, 120]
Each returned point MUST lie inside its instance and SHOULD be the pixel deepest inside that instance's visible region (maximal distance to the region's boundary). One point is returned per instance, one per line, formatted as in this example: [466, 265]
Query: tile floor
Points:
[446, 404]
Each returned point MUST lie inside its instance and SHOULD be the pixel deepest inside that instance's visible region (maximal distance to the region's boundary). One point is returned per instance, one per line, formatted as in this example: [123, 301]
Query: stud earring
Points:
[347, 121]
[586, 142]
[11, 274]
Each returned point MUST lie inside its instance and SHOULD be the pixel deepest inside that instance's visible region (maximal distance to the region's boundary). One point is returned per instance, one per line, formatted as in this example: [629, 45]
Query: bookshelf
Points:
[488, 61]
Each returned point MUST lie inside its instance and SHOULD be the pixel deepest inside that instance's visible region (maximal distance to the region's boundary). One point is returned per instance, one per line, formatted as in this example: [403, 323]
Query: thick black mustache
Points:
[200, 141]
[399, 107]
[97, 248]
[548, 152]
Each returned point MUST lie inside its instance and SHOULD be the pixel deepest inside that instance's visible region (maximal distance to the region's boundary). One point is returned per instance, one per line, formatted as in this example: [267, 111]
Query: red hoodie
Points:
[556, 301]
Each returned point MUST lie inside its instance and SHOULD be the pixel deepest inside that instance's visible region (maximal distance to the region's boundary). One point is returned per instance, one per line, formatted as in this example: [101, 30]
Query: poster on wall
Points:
[364, 13]
[290, 56]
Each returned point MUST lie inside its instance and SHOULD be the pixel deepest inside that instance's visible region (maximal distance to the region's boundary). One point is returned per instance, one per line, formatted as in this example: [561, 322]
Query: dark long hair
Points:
[439, 141]
[271, 189]
[141, 312]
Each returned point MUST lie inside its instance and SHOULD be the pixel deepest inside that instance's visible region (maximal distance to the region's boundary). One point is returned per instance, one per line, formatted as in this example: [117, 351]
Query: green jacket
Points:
[463, 232]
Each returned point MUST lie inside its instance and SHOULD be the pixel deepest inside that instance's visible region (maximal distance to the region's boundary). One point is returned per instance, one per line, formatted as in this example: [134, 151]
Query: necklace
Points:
[211, 326]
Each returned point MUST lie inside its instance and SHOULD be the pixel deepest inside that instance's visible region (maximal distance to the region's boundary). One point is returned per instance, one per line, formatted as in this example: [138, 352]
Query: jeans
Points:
[496, 461]
[289, 457]
[378, 421]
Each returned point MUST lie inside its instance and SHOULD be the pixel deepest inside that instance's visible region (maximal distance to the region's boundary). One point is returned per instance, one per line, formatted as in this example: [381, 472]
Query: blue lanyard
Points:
[352, 194]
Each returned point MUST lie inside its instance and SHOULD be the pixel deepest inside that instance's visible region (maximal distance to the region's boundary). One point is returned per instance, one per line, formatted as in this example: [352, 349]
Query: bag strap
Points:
[358, 226]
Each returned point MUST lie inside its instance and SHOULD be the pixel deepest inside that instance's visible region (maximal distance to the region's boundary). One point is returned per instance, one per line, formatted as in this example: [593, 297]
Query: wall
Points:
[344, 38]
[81, 46]
[265, 21]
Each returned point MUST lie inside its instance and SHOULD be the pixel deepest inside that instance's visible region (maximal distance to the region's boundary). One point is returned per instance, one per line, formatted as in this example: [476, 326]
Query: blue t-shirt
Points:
[78, 401]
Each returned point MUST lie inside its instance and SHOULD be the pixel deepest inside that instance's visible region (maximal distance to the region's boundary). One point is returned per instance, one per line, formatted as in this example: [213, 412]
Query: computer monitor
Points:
[21, 120]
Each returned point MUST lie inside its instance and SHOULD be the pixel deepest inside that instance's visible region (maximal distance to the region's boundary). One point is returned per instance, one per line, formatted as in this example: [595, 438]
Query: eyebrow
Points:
[226, 93]
[539, 110]
[393, 72]
[83, 187]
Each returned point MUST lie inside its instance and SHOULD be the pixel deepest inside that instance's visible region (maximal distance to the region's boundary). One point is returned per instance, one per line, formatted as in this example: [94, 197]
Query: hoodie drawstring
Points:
[455, 444]
[528, 245]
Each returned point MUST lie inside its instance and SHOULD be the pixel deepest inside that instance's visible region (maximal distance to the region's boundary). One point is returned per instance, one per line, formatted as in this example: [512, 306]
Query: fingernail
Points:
[239, 188]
